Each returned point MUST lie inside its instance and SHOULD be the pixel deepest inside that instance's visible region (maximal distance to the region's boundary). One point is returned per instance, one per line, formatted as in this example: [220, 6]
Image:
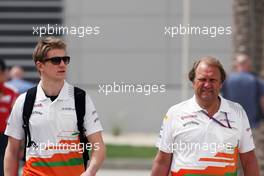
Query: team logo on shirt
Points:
[165, 117]
[188, 117]
[94, 112]
[37, 112]
[68, 109]
[191, 123]
[95, 120]
[38, 105]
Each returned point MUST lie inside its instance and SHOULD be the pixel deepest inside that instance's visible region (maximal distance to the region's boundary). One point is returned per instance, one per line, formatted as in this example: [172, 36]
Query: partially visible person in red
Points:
[7, 99]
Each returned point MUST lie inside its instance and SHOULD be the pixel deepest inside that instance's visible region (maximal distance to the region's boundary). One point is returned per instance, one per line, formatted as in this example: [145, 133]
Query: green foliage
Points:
[127, 151]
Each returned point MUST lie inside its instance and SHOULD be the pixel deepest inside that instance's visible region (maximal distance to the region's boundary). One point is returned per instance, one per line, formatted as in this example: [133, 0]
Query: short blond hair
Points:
[46, 44]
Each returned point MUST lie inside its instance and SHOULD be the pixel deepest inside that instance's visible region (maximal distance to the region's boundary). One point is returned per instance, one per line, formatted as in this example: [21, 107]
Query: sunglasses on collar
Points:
[57, 60]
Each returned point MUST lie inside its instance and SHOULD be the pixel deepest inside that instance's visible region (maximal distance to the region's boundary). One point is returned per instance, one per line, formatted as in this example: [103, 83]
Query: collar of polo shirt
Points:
[224, 106]
[63, 95]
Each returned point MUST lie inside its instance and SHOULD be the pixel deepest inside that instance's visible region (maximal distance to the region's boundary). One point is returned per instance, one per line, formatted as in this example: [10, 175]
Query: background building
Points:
[132, 48]
[249, 30]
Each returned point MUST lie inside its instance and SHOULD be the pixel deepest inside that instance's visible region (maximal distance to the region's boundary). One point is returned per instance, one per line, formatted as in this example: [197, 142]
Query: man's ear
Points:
[221, 85]
[193, 83]
[39, 65]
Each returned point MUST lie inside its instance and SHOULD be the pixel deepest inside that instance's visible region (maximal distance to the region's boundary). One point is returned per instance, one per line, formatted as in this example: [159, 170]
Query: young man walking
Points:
[56, 148]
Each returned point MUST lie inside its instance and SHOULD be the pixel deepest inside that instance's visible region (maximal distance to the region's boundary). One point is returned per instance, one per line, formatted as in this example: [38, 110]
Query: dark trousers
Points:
[3, 143]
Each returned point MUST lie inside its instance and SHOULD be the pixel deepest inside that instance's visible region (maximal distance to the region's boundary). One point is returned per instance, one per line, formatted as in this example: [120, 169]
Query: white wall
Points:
[132, 48]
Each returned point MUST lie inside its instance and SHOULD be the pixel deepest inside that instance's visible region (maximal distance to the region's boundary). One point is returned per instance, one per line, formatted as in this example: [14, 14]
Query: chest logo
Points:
[188, 117]
[37, 113]
[190, 123]
[38, 105]
[68, 109]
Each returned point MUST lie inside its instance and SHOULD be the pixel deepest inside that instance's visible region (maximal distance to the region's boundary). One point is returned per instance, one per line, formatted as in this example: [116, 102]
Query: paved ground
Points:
[109, 172]
[134, 139]
[112, 172]
[128, 164]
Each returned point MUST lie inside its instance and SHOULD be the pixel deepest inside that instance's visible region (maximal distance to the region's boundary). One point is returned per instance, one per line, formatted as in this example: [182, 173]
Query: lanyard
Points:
[217, 121]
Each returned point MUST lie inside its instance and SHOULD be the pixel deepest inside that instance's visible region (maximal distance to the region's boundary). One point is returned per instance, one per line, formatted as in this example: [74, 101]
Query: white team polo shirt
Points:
[52, 124]
[204, 145]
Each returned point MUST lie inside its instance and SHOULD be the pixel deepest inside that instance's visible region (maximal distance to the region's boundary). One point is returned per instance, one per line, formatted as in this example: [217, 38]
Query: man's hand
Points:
[97, 154]
[88, 173]
[11, 157]
[249, 163]
[162, 163]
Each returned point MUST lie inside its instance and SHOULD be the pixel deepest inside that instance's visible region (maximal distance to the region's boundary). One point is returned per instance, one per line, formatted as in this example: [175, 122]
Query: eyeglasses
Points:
[57, 60]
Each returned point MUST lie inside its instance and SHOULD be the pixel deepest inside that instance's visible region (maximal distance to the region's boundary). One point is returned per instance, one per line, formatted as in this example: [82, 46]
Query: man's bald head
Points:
[16, 72]
[242, 63]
